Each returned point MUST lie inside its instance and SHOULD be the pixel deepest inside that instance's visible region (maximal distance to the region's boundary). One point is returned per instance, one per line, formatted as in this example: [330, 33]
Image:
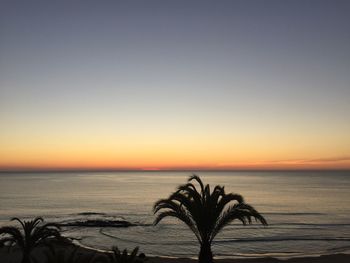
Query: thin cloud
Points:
[334, 159]
[287, 162]
[316, 160]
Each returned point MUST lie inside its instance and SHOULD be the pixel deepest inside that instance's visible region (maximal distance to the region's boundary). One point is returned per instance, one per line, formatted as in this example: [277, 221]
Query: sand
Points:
[13, 255]
[336, 258]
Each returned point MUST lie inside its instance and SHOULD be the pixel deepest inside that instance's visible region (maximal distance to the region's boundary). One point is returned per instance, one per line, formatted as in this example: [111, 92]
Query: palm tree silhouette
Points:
[30, 236]
[123, 257]
[205, 213]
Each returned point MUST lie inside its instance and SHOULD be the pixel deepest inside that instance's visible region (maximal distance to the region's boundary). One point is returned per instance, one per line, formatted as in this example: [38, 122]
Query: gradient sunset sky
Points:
[174, 85]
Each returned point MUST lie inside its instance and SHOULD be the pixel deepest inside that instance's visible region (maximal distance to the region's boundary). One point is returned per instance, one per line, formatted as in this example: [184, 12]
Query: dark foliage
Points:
[31, 234]
[205, 212]
[54, 255]
[124, 257]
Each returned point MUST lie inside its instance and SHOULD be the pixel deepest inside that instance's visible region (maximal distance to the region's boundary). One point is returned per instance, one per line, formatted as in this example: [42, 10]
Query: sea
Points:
[308, 212]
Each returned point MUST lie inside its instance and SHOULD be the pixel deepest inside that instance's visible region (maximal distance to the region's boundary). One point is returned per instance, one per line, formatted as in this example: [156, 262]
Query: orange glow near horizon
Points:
[212, 149]
[164, 157]
[239, 166]
[209, 150]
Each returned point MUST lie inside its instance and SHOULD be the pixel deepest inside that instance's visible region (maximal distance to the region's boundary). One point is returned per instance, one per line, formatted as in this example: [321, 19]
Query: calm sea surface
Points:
[308, 212]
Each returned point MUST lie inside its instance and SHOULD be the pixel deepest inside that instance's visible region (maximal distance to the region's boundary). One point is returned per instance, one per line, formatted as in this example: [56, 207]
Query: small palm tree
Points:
[123, 257]
[30, 236]
[73, 255]
[205, 213]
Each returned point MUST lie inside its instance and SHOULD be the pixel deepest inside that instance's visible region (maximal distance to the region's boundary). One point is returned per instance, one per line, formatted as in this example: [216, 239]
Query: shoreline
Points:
[224, 258]
[13, 255]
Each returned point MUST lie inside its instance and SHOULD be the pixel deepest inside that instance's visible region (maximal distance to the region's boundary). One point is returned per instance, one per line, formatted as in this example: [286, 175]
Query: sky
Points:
[174, 85]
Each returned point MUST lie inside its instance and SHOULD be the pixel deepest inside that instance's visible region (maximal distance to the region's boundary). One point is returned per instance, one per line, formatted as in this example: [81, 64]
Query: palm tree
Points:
[118, 256]
[205, 213]
[30, 236]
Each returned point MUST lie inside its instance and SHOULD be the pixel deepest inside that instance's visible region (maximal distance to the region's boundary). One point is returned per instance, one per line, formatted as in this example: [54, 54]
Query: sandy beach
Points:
[336, 258]
[13, 255]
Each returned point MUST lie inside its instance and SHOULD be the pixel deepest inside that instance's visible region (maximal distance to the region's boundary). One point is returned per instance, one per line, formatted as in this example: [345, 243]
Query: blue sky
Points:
[256, 75]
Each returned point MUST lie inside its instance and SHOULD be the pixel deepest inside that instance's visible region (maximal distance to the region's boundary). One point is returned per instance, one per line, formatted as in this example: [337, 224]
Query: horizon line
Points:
[89, 170]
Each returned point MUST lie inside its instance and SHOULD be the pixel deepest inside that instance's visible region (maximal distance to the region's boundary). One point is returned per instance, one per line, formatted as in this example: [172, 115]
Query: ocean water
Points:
[308, 212]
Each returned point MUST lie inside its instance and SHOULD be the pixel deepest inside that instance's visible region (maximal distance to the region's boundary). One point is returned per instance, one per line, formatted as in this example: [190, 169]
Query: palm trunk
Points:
[205, 254]
[25, 257]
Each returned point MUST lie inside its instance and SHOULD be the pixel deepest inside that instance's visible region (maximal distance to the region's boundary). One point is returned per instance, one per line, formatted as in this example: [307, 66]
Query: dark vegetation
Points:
[205, 212]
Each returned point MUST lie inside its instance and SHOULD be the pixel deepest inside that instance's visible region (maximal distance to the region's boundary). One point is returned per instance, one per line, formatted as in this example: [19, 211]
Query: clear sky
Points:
[175, 84]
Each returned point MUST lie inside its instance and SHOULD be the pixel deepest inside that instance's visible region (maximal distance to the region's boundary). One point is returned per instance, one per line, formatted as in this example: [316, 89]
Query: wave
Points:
[91, 214]
[291, 226]
[170, 243]
[279, 254]
[339, 249]
[121, 239]
[96, 219]
[281, 239]
[235, 240]
[98, 223]
[294, 214]
[311, 224]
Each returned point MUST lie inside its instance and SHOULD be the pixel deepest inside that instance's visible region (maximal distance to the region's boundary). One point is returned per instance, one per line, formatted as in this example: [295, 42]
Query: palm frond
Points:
[205, 212]
[41, 233]
[242, 212]
[199, 181]
[134, 254]
[165, 203]
[14, 233]
[9, 240]
[32, 234]
[191, 205]
[19, 221]
[37, 221]
[190, 192]
[184, 217]
[118, 256]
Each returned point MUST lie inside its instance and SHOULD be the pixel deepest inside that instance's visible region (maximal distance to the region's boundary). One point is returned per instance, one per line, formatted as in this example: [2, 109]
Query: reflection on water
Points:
[308, 212]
